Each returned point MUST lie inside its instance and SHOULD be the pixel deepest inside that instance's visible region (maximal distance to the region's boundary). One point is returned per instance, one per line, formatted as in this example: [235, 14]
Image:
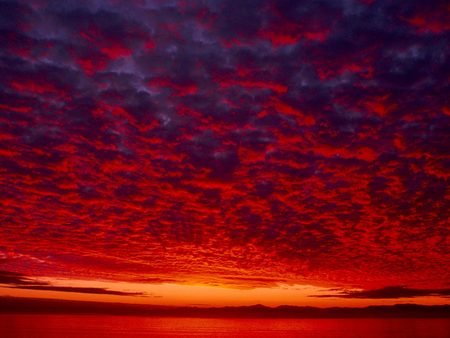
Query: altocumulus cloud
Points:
[226, 142]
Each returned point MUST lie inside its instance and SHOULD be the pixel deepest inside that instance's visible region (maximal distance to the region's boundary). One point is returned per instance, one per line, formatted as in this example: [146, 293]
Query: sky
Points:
[225, 152]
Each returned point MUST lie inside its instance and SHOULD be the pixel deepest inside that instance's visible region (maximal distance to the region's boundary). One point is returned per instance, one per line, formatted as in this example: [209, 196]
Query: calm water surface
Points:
[68, 326]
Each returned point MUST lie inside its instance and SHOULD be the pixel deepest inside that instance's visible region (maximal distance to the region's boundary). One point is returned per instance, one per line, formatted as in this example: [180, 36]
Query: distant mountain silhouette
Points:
[56, 306]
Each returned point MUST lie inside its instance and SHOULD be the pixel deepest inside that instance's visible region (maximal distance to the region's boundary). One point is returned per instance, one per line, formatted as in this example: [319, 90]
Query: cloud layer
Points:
[226, 143]
[20, 281]
[391, 292]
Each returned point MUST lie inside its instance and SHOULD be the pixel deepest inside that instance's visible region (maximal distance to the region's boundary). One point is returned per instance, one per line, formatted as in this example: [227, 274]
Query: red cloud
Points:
[323, 162]
[431, 18]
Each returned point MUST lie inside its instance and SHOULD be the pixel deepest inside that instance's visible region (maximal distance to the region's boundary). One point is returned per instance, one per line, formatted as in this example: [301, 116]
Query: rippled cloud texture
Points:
[227, 143]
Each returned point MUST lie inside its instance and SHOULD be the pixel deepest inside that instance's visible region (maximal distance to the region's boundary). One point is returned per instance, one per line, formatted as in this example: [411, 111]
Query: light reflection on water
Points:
[68, 326]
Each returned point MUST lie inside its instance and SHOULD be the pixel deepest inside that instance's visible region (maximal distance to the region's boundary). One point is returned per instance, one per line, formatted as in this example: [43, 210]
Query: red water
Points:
[68, 326]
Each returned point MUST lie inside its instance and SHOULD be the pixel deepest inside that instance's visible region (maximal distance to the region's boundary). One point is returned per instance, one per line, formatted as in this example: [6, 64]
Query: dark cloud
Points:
[97, 291]
[7, 277]
[20, 281]
[392, 292]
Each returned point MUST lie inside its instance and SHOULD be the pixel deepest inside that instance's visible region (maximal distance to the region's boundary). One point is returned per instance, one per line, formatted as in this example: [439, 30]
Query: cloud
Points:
[276, 141]
[391, 292]
[7, 277]
[97, 291]
[19, 281]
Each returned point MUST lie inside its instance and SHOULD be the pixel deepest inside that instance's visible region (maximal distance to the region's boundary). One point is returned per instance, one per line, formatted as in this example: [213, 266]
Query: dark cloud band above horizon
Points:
[391, 292]
[225, 142]
[21, 281]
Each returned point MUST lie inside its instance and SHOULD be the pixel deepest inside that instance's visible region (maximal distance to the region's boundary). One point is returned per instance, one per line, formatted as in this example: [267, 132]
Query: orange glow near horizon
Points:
[204, 296]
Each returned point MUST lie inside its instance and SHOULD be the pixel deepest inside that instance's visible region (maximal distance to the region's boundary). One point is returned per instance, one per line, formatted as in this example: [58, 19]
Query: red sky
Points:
[226, 152]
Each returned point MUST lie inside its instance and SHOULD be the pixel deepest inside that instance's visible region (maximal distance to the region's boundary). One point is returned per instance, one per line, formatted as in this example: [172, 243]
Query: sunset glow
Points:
[225, 153]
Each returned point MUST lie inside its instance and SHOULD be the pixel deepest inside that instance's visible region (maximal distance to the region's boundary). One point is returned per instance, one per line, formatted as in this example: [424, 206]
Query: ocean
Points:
[98, 326]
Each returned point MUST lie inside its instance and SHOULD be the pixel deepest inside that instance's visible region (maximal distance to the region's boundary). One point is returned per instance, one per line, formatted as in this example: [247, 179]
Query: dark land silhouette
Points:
[16, 305]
